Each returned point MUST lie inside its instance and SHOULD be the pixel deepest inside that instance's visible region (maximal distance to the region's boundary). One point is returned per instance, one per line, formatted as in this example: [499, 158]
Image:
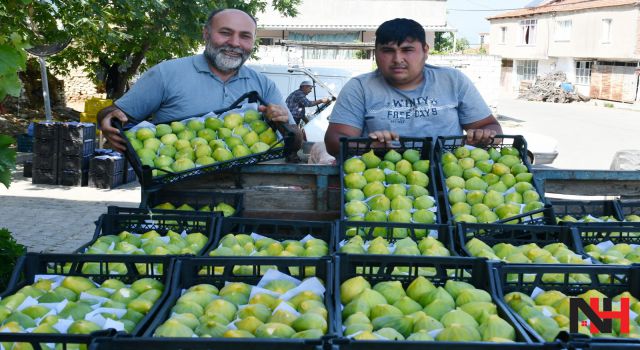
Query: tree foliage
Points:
[443, 42]
[114, 40]
[12, 44]
[462, 44]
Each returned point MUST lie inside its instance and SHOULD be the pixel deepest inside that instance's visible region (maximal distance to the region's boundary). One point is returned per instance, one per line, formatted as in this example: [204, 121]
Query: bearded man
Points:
[193, 86]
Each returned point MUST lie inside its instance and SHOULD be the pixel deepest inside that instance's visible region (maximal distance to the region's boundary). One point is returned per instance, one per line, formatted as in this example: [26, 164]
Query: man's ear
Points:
[205, 34]
[426, 49]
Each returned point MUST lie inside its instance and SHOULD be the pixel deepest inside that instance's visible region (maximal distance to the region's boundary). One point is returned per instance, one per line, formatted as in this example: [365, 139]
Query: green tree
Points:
[462, 44]
[443, 42]
[13, 57]
[114, 40]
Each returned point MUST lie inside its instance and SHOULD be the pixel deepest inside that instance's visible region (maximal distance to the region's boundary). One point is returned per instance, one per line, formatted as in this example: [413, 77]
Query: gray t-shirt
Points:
[445, 101]
[185, 87]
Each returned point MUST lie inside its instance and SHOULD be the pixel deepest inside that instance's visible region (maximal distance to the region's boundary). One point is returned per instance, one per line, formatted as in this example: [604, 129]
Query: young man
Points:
[193, 86]
[406, 97]
[297, 101]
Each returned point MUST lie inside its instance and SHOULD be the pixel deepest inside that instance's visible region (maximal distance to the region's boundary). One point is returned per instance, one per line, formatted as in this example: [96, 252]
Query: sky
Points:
[469, 16]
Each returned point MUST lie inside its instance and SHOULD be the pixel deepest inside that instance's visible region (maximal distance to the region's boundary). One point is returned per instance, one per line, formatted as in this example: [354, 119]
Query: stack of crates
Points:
[45, 153]
[129, 173]
[62, 152]
[106, 169]
[76, 145]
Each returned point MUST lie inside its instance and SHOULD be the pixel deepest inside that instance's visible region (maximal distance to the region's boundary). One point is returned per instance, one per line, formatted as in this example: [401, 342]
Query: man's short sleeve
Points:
[471, 105]
[145, 97]
[350, 109]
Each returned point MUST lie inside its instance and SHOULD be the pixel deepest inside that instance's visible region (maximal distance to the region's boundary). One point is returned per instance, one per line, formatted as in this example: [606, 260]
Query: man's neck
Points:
[224, 76]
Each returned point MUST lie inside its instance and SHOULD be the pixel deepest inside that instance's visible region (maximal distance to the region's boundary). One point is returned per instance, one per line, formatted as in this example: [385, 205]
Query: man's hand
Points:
[480, 136]
[384, 137]
[111, 133]
[275, 113]
[325, 100]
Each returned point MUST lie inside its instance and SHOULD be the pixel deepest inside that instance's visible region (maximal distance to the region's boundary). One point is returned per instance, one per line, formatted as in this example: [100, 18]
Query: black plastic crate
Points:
[217, 271]
[450, 143]
[106, 164]
[581, 208]
[615, 233]
[348, 344]
[24, 143]
[279, 230]
[195, 199]
[628, 207]
[607, 279]
[77, 148]
[45, 147]
[44, 177]
[358, 146]
[113, 224]
[144, 172]
[369, 230]
[32, 264]
[45, 162]
[27, 169]
[73, 163]
[46, 130]
[73, 178]
[127, 343]
[104, 180]
[517, 235]
[77, 132]
[376, 269]
[129, 173]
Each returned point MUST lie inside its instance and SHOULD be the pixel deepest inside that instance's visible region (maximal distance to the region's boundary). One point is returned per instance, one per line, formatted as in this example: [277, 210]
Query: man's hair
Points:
[398, 30]
[214, 12]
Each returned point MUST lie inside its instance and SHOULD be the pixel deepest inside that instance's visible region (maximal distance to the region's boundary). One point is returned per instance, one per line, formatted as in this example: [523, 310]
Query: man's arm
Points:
[482, 131]
[105, 119]
[333, 135]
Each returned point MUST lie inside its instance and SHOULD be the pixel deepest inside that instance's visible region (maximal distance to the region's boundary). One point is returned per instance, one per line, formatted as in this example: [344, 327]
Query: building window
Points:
[563, 30]
[527, 70]
[528, 32]
[583, 72]
[606, 30]
[503, 35]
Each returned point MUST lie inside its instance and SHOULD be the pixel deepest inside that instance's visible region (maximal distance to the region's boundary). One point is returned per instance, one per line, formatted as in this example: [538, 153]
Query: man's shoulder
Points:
[442, 70]
[179, 63]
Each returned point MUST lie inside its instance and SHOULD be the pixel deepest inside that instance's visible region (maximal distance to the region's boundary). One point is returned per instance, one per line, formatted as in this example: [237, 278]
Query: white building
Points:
[595, 42]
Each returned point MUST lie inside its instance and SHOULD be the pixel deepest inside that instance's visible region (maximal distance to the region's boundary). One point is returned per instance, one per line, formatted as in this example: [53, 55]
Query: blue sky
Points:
[472, 20]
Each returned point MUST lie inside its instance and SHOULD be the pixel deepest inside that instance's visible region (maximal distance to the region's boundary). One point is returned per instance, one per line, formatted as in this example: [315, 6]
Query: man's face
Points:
[229, 40]
[306, 89]
[402, 64]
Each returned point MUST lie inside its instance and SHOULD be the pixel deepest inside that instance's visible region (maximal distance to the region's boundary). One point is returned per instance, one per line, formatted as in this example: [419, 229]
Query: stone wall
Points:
[78, 87]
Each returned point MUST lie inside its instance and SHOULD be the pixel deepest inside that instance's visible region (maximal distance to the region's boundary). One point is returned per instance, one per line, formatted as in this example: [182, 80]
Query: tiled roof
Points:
[564, 6]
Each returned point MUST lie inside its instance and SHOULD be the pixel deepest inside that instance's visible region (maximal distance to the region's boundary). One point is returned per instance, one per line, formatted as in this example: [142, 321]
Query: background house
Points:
[594, 42]
[330, 30]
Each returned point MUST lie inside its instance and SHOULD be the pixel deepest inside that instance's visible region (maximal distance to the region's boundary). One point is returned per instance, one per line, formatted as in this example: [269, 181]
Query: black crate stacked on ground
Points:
[517, 235]
[138, 267]
[45, 153]
[542, 216]
[610, 280]
[24, 143]
[280, 230]
[193, 271]
[581, 208]
[77, 143]
[376, 269]
[284, 146]
[616, 233]
[628, 207]
[106, 170]
[358, 146]
[129, 173]
[113, 224]
[195, 199]
[369, 231]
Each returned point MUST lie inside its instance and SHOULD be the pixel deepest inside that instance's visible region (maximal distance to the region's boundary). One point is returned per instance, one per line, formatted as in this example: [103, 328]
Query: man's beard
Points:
[219, 60]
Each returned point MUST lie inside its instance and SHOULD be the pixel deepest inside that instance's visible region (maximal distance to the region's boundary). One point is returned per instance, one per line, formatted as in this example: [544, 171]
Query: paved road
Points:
[588, 136]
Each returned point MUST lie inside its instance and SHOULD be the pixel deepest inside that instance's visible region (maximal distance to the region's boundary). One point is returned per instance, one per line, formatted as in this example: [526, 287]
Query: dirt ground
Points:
[57, 219]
